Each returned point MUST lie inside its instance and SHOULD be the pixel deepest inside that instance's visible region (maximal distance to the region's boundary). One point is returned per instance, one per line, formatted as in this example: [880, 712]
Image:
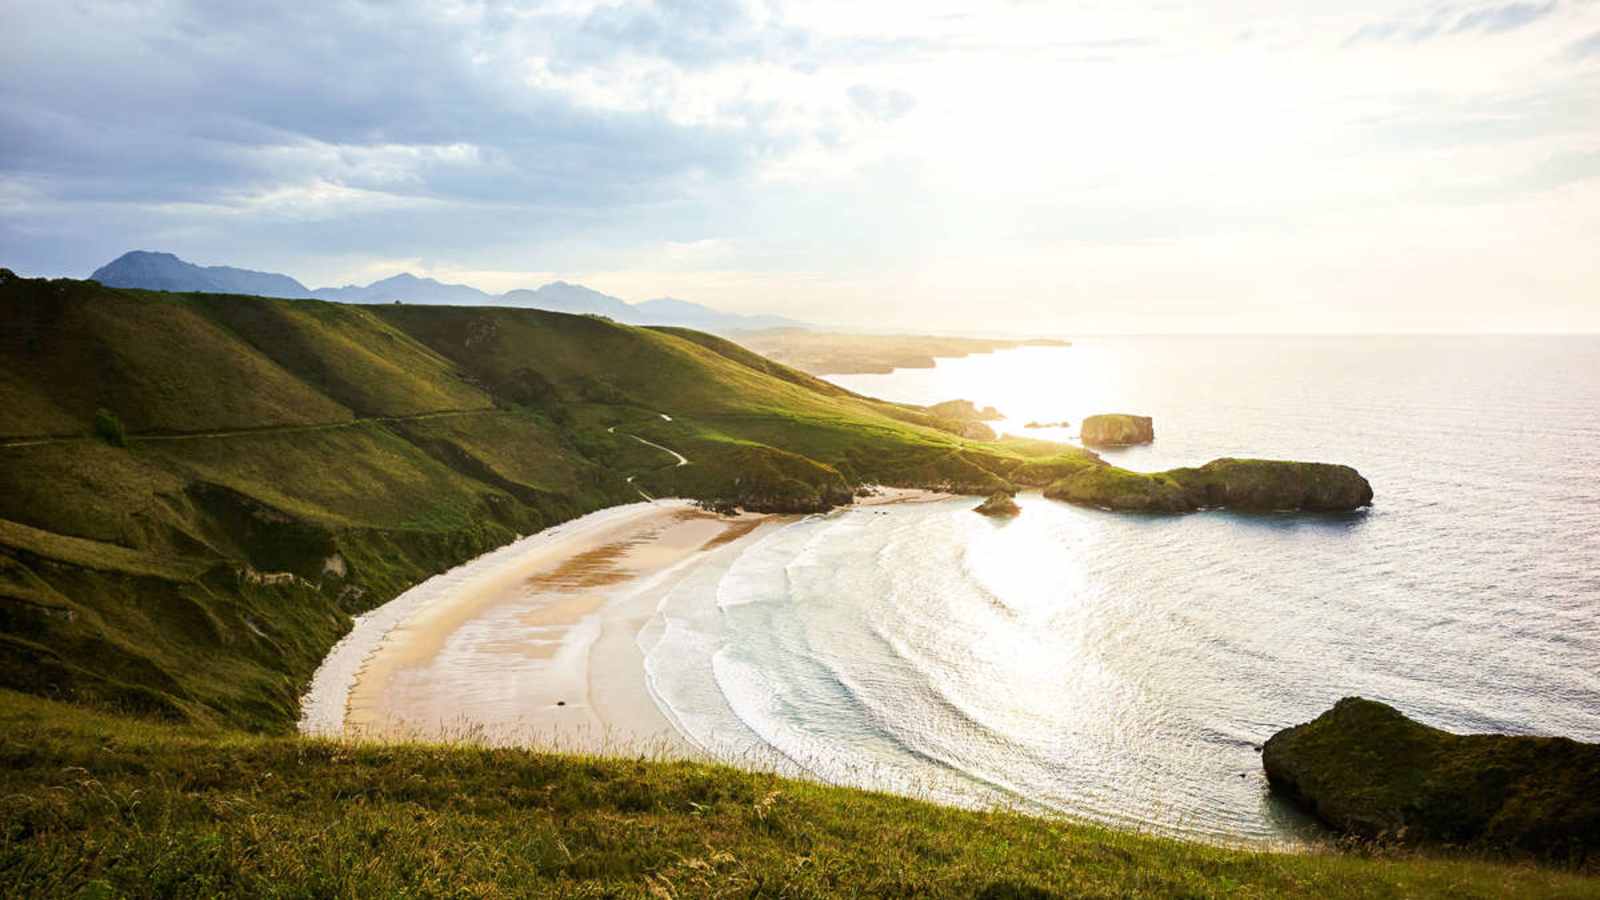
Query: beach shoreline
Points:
[536, 643]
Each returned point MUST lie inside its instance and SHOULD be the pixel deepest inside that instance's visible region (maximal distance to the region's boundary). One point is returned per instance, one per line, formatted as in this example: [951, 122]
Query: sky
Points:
[1031, 167]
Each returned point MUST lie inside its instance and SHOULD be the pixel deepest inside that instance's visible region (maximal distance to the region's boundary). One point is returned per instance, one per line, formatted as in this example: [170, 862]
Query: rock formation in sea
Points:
[1118, 429]
[1252, 485]
[1366, 770]
[999, 503]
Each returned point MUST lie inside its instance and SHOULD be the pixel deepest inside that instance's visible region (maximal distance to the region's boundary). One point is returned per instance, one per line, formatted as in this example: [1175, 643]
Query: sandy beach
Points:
[536, 643]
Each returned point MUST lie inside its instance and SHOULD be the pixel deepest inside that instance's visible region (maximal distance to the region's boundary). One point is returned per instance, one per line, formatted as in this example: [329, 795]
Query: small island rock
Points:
[1250, 485]
[1118, 430]
[999, 503]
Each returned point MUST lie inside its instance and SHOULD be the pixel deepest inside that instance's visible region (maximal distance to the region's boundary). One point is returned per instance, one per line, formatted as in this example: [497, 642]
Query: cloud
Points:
[883, 105]
[1586, 48]
[690, 33]
[1496, 19]
[1449, 20]
[783, 141]
[234, 107]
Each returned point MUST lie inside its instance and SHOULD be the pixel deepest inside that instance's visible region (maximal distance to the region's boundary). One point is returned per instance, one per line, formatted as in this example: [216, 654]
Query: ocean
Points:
[1127, 668]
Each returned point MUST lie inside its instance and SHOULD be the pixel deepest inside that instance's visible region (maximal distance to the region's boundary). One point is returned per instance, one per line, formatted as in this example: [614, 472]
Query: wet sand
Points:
[535, 644]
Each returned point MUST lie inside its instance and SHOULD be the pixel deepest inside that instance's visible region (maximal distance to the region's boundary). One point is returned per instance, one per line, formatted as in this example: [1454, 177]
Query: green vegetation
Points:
[1367, 770]
[288, 464]
[97, 805]
[109, 428]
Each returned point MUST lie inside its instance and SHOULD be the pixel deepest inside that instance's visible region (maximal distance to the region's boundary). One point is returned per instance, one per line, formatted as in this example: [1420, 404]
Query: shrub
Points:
[109, 428]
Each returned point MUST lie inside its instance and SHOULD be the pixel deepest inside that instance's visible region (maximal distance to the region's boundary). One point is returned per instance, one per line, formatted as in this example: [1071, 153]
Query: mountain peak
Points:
[135, 255]
[162, 271]
[403, 278]
[156, 270]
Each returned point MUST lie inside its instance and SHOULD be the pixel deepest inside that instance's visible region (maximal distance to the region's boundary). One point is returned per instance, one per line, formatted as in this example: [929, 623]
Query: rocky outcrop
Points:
[999, 503]
[1264, 485]
[1109, 487]
[1250, 485]
[964, 411]
[1061, 424]
[789, 497]
[1368, 771]
[1118, 429]
[963, 418]
[977, 431]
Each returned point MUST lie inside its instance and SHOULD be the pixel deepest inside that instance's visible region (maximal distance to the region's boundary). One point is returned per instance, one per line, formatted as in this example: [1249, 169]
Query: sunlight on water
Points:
[1127, 667]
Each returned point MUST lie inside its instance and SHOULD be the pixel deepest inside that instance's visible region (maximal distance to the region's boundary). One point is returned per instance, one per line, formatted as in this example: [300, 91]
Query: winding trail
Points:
[681, 459]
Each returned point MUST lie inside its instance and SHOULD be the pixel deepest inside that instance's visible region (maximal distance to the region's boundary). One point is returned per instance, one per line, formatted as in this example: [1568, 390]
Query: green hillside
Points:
[102, 806]
[288, 464]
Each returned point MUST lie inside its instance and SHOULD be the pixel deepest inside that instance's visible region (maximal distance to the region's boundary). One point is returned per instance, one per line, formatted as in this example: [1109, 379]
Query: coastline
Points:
[536, 643]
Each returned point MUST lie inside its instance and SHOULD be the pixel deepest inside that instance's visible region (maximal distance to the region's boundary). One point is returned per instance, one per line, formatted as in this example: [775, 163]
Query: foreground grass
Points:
[98, 805]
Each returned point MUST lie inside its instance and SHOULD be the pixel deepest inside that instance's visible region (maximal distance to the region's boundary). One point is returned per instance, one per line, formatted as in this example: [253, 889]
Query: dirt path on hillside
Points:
[240, 432]
[681, 459]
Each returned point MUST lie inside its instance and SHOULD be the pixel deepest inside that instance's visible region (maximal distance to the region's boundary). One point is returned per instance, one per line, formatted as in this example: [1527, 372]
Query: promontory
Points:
[1366, 770]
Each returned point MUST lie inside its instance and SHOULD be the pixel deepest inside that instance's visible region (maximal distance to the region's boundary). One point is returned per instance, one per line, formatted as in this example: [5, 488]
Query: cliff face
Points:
[1368, 771]
[1118, 429]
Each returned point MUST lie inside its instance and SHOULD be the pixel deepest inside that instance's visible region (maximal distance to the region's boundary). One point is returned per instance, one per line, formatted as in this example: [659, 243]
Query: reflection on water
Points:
[1128, 667]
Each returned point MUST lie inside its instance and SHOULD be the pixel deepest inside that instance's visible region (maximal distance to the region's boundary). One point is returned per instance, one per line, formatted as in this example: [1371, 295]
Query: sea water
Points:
[1128, 667]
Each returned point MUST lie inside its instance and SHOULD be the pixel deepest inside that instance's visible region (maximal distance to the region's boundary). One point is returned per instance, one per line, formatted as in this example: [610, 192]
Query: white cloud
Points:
[1163, 167]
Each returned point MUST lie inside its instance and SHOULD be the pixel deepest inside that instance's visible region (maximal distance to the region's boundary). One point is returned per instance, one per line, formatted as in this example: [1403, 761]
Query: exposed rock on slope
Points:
[1368, 771]
[1118, 429]
[963, 417]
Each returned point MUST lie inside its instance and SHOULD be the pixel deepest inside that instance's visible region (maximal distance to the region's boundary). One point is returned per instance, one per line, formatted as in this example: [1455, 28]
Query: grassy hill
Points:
[287, 464]
[102, 806]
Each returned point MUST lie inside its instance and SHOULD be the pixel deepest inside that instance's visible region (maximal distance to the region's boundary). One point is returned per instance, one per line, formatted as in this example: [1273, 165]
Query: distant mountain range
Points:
[165, 272]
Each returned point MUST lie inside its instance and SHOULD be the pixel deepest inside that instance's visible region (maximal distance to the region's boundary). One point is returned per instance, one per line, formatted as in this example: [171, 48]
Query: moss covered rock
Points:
[1118, 429]
[999, 503]
[1109, 487]
[1368, 771]
[1269, 484]
[1254, 485]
